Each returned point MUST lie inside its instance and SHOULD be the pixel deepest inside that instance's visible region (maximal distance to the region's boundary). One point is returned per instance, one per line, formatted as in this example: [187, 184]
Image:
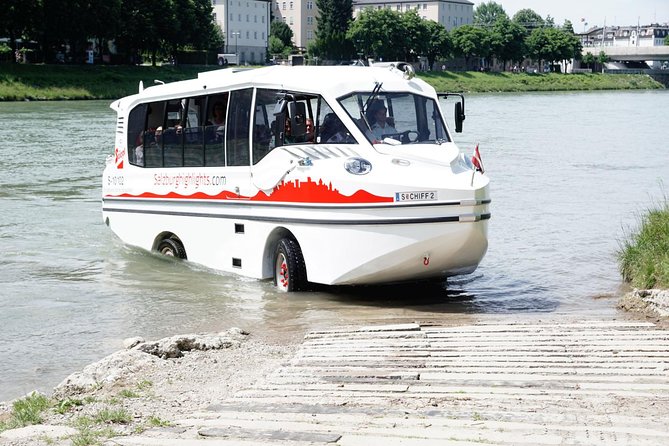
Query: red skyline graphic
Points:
[295, 191]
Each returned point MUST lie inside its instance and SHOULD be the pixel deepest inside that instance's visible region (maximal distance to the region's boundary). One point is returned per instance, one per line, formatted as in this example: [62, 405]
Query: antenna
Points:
[141, 86]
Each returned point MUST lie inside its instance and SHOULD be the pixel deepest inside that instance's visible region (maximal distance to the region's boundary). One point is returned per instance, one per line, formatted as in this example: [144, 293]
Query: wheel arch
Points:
[165, 235]
[270, 246]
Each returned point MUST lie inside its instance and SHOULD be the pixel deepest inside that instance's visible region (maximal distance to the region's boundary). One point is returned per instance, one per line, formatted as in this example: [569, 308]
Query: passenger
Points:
[218, 117]
[380, 123]
[333, 129]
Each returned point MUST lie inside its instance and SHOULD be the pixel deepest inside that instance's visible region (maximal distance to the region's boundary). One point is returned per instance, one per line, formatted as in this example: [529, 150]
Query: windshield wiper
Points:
[370, 99]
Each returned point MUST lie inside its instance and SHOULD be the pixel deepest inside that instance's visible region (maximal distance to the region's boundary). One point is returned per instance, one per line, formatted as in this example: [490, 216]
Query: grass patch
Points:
[520, 82]
[27, 411]
[20, 82]
[644, 256]
[113, 416]
[64, 406]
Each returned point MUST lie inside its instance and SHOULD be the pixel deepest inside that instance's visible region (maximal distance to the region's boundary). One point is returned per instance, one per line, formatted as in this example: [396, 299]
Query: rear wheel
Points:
[170, 247]
[290, 272]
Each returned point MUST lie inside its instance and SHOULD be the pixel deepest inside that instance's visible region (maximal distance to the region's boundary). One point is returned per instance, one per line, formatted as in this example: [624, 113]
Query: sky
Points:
[595, 12]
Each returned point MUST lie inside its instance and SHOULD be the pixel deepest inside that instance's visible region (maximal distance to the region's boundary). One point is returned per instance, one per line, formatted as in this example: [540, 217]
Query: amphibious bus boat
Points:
[332, 175]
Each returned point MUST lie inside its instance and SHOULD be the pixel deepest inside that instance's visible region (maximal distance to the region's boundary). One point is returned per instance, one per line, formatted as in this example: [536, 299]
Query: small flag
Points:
[476, 160]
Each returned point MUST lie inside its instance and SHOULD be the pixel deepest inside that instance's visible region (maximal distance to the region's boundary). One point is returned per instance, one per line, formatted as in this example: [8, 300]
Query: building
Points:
[300, 16]
[627, 39]
[641, 36]
[245, 26]
[449, 13]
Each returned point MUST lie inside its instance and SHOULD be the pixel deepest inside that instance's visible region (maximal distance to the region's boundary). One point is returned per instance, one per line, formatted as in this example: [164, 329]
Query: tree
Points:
[439, 42]
[528, 19]
[332, 24]
[508, 41]
[486, 14]
[282, 32]
[378, 33]
[589, 59]
[602, 58]
[552, 44]
[470, 41]
[16, 20]
[416, 34]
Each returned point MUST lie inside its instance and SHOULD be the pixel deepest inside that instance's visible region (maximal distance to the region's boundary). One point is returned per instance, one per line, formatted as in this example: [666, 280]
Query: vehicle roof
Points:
[330, 81]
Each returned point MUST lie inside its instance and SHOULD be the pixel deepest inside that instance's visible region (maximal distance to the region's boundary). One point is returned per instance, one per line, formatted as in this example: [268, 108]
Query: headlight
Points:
[358, 166]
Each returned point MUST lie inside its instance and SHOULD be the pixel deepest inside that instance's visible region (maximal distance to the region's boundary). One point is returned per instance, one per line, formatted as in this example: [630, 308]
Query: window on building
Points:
[248, 33]
[399, 7]
[310, 5]
[310, 20]
[283, 6]
[291, 6]
[291, 20]
[255, 35]
[310, 34]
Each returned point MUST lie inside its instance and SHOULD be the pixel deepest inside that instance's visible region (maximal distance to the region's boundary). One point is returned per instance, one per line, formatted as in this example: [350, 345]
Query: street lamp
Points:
[236, 34]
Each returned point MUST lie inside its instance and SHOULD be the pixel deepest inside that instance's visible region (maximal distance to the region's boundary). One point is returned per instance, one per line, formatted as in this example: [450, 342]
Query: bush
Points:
[644, 256]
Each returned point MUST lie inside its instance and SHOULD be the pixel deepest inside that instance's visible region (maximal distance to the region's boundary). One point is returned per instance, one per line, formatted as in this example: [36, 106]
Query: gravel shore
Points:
[150, 384]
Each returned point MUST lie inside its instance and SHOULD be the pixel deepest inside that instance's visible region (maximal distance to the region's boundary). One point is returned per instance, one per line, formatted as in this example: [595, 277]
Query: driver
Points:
[381, 124]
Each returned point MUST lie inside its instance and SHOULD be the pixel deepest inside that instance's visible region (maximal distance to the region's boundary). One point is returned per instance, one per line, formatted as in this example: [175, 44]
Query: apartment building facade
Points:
[245, 26]
[449, 13]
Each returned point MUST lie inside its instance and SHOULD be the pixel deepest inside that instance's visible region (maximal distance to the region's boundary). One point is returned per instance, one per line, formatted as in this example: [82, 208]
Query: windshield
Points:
[396, 118]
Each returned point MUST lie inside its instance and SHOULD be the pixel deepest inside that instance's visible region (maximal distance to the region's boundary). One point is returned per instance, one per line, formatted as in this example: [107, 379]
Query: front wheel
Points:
[290, 272]
[170, 247]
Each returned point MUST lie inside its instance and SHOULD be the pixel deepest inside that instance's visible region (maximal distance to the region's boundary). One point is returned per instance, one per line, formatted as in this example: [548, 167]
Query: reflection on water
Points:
[569, 173]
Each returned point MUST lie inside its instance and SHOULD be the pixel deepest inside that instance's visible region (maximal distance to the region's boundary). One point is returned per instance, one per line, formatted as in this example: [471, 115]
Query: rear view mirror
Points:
[459, 109]
[459, 117]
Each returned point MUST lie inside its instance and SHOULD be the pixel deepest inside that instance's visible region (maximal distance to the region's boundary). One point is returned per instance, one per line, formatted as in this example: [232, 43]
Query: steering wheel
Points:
[406, 137]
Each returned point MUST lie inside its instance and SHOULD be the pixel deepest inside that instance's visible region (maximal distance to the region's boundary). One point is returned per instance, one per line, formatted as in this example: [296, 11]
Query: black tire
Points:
[170, 247]
[290, 272]
[220, 62]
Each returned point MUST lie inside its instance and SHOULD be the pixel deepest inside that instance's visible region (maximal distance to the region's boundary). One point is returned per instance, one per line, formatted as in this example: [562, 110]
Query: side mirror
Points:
[459, 116]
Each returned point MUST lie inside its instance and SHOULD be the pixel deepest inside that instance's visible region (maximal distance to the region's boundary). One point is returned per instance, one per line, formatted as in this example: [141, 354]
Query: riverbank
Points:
[20, 82]
[549, 380]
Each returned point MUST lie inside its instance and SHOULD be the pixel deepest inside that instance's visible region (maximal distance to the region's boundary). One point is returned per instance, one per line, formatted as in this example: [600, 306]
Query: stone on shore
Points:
[123, 365]
[653, 302]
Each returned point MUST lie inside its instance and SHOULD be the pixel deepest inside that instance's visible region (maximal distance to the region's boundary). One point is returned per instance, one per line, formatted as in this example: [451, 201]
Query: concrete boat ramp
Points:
[541, 383]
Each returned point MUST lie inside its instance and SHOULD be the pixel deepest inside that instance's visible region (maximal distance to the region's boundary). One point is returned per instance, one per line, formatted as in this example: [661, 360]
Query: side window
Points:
[330, 129]
[237, 129]
[214, 131]
[193, 132]
[262, 123]
[153, 137]
[173, 141]
[136, 125]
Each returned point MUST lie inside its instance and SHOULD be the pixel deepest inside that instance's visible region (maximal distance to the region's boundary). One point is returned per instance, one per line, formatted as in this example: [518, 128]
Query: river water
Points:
[571, 173]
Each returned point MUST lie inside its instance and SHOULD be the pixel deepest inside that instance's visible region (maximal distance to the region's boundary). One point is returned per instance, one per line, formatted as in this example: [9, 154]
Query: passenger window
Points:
[237, 129]
[136, 123]
[153, 136]
[193, 133]
[264, 116]
[214, 131]
[173, 133]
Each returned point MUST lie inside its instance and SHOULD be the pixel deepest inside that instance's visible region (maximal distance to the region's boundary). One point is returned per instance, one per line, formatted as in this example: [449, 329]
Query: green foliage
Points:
[29, 410]
[282, 32]
[470, 41]
[644, 256]
[112, 416]
[552, 44]
[511, 82]
[56, 82]
[528, 19]
[127, 393]
[332, 25]
[508, 40]
[378, 33]
[65, 405]
[487, 14]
